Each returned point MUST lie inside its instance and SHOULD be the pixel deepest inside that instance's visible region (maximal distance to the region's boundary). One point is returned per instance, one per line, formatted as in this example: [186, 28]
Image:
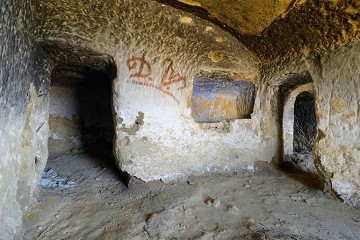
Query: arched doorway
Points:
[299, 127]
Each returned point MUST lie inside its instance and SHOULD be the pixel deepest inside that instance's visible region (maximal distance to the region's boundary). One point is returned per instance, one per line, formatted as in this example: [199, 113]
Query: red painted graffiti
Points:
[142, 67]
[169, 76]
[146, 84]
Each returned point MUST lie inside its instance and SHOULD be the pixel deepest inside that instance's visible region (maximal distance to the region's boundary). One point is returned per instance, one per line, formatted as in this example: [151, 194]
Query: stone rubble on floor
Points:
[50, 179]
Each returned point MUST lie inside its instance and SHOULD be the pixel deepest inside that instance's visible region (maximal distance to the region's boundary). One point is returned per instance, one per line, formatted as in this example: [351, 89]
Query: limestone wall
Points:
[158, 50]
[23, 106]
[336, 76]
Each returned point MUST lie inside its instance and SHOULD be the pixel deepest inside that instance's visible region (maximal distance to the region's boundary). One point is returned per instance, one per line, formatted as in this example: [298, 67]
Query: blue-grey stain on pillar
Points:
[216, 99]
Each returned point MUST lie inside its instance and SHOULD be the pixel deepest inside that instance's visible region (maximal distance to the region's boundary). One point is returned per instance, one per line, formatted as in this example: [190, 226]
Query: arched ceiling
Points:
[274, 29]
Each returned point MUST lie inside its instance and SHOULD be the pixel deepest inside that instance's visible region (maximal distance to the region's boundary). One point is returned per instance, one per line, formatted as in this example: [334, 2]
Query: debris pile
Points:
[50, 179]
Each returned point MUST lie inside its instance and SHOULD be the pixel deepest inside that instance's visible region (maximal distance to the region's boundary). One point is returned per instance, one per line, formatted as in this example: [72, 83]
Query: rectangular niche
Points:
[218, 98]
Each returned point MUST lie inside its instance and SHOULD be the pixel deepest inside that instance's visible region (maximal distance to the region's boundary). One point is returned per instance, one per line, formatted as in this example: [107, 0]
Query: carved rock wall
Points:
[336, 76]
[158, 50]
[23, 107]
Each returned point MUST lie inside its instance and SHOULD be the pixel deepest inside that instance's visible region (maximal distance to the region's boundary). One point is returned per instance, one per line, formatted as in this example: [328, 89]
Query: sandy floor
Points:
[267, 204]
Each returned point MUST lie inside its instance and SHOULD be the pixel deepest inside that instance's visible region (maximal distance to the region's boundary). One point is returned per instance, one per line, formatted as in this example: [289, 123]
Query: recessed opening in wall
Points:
[81, 125]
[217, 97]
[304, 123]
[299, 128]
[80, 113]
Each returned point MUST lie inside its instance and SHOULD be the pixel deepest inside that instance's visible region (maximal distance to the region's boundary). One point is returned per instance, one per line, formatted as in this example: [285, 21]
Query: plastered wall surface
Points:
[157, 57]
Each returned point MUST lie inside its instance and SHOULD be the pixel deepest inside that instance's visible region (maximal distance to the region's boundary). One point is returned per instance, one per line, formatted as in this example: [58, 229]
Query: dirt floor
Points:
[265, 204]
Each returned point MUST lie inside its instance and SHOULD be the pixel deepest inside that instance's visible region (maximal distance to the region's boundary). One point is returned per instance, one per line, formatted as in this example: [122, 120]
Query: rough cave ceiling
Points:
[274, 29]
[249, 17]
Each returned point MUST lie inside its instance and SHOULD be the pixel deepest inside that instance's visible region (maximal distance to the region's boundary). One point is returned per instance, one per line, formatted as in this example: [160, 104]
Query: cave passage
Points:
[80, 115]
[304, 130]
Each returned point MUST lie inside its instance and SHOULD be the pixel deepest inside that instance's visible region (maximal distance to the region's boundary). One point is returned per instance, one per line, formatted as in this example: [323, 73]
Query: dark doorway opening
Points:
[305, 126]
[81, 118]
[81, 126]
[304, 122]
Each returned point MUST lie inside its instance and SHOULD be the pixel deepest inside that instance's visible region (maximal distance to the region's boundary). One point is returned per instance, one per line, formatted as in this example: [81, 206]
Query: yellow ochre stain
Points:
[186, 20]
[209, 29]
[215, 56]
[201, 105]
[224, 108]
[219, 39]
[337, 105]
